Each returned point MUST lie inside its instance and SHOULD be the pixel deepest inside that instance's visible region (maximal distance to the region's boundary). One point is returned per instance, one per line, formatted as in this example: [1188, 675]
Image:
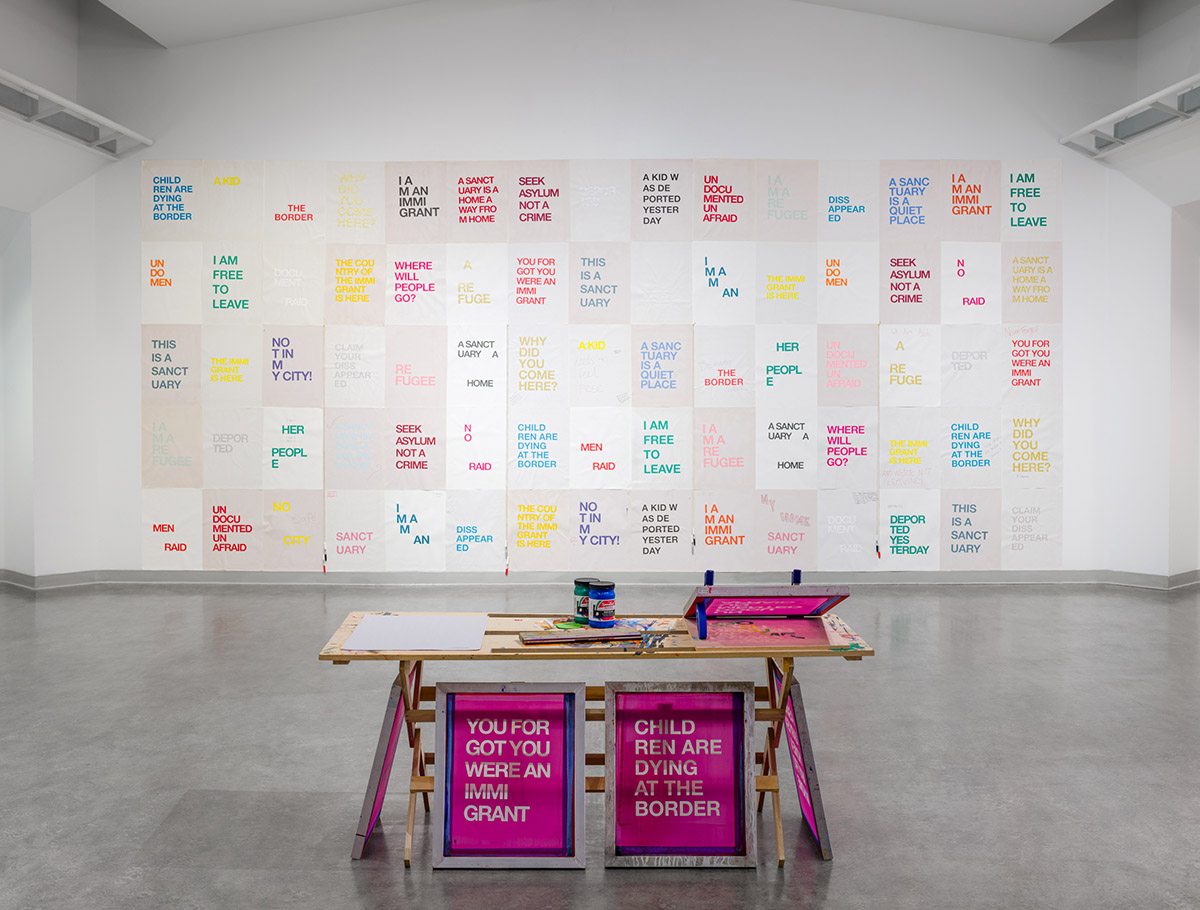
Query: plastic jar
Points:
[602, 605]
[582, 587]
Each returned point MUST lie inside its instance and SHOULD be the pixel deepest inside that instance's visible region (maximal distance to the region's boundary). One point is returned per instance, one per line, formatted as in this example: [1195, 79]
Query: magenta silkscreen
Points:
[386, 772]
[791, 731]
[510, 781]
[770, 606]
[680, 778]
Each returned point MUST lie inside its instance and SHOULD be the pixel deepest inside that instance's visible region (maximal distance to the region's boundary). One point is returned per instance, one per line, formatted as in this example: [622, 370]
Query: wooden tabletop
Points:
[666, 637]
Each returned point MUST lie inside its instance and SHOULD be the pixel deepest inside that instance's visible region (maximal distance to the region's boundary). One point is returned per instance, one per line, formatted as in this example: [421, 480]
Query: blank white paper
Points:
[418, 632]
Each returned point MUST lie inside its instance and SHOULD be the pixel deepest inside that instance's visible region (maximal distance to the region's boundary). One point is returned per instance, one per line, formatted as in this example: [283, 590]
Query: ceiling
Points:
[174, 23]
[1034, 20]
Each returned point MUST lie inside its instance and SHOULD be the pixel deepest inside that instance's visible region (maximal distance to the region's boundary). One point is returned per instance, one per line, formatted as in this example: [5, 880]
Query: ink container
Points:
[582, 587]
[602, 605]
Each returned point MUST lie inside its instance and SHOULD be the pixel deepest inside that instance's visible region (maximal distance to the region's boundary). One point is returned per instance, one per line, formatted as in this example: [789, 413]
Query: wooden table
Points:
[667, 638]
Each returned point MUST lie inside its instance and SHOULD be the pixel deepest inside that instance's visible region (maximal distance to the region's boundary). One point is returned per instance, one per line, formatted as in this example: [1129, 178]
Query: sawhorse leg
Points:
[770, 761]
[400, 700]
[418, 767]
[794, 727]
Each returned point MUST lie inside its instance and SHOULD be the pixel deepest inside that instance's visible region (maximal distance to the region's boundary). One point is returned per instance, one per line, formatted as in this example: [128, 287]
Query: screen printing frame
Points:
[574, 765]
[712, 602]
[747, 856]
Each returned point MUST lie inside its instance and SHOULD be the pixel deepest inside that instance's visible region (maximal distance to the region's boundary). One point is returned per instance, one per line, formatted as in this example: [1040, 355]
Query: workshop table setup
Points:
[681, 775]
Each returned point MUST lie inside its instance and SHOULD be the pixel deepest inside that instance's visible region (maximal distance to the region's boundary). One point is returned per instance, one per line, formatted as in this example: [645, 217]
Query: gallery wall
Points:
[530, 81]
[3, 395]
[732, 364]
[1185, 395]
[16, 370]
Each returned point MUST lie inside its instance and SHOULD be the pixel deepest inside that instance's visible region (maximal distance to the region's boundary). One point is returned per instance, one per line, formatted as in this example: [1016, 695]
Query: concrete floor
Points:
[1008, 747]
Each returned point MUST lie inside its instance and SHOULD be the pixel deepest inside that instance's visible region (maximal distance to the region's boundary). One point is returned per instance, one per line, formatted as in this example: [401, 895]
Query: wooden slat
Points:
[513, 652]
[765, 757]
[502, 642]
[596, 693]
[766, 783]
[594, 784]
[594, 758]
[669, 644]
[787, 666]
[771, 714]
[418, 760]
[408, 827]
[409, 675]
[775, 808]
[421, 785]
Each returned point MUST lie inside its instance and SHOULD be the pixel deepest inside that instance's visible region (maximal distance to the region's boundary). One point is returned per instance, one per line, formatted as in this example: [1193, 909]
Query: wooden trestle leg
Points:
[400, 700]
[793, 726]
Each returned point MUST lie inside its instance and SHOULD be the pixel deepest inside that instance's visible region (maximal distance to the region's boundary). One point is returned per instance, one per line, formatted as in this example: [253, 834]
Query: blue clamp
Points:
[701, 618]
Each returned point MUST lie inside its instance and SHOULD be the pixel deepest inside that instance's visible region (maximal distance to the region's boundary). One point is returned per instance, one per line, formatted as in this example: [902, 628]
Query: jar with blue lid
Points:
[602, 604]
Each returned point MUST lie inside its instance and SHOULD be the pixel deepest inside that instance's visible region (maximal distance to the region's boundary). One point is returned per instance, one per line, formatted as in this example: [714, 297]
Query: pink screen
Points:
[792, 732]
[386, 772]
[509, 791]
[680, 785]
[765, 606]
[754, 632]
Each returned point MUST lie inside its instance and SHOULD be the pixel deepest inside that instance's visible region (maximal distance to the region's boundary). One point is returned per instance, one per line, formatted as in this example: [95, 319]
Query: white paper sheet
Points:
[418, 632]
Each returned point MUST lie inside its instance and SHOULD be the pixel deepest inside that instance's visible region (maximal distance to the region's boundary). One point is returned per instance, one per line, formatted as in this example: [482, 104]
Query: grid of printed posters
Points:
[601, 365]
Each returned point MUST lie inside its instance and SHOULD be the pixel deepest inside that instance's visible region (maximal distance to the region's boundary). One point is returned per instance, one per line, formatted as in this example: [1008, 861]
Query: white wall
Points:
[4, 431]
[1185, 393]
[16, 368]
[71, 392]
[462, 80]
[1116, 327]
[1168, 50]
[39, 42]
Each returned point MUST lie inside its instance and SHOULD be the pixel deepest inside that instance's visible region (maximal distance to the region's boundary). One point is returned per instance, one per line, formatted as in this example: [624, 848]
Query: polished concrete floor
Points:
[1008, 747]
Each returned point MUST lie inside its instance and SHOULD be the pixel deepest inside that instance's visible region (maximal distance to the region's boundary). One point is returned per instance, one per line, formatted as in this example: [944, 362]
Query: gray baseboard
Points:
[1040, 577]
[17, 579]
[1183, 580]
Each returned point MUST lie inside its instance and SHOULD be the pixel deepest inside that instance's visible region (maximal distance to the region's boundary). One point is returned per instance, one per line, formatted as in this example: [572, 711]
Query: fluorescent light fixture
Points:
[43, 110]
[1135, 122]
